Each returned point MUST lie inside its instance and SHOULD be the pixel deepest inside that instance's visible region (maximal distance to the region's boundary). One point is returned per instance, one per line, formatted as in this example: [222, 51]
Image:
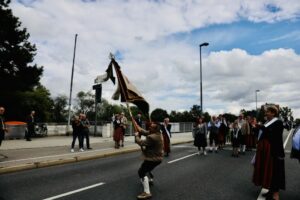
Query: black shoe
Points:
[28, 139]
[89, 148]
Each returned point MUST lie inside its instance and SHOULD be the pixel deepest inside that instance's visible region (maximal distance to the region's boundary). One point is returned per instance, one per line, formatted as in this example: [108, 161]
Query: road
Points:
[184, 175]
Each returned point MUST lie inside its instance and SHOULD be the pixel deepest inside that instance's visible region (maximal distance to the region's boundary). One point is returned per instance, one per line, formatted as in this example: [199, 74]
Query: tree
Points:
[17, 72]
[60, 113]
[85, 102]
[285, 113]
[196, 111]
[39, 100]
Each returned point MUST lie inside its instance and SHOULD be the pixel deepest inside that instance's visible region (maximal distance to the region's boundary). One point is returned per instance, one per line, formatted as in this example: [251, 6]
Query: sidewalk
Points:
[55, 150]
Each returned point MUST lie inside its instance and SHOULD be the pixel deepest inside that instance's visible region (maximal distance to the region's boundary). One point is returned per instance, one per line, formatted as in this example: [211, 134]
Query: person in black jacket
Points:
[269, 170]
[77, 133]
[199, 134]
[138, 119]
[30, 126]
[86, 132]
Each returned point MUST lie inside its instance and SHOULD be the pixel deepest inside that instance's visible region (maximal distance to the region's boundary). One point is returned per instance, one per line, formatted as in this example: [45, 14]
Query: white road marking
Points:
[75, 191]
[260, 197]
[287, 138]
[172, 161]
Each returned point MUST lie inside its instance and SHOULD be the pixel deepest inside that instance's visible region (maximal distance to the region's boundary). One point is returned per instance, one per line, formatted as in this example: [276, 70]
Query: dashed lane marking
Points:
[172, 161]
[74, 191]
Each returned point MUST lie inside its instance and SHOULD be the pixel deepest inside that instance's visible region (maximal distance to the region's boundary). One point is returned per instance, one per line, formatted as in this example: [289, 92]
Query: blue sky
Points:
[253, 37]
[253, 45]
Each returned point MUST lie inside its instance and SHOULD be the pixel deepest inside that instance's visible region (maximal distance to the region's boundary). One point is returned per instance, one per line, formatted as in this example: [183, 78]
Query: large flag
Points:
[108, 75]
[128, 92]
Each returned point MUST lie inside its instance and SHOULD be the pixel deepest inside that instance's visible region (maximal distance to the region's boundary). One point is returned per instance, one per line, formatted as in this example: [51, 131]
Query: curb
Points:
[43, 164]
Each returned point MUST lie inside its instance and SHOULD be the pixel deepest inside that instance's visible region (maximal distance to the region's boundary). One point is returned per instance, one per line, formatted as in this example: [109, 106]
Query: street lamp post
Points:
[201, 98]
[256, 91]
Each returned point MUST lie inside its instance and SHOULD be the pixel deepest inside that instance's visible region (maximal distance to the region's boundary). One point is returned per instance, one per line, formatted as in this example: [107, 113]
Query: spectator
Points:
[235, 139]
[86, 132]
[117, 130]
[199, 134]
[223, 131]
[124, 126]
[138, 119]
[166, 132]
[213, 127]
[245, 130]
[77, 133]
[269, 170]
[30, 126]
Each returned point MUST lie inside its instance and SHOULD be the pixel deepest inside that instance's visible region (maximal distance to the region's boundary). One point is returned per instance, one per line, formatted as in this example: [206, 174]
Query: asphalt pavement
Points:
[18, 154]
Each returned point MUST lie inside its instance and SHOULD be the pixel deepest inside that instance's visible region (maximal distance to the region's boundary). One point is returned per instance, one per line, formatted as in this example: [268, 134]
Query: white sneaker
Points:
[204, 153]
[72, 150]
[81, 150]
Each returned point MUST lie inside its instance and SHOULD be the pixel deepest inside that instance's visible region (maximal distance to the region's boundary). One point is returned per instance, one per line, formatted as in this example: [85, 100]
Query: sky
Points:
[253, 45]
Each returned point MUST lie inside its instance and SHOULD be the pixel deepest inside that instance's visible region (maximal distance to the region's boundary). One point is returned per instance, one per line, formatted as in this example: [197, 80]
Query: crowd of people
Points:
[244, 134]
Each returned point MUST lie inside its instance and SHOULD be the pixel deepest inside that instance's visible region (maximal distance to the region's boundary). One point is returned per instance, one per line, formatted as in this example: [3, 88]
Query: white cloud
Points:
[166, 72]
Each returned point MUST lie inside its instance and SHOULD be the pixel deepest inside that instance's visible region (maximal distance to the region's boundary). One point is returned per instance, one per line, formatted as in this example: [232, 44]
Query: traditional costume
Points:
[118, 132]
[269, 171]
[235, 140]
[199, 134]
[166, 132]
[152, 149]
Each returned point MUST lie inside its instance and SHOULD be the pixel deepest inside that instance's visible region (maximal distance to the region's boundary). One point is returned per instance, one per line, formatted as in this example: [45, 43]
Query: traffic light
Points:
[98, 89]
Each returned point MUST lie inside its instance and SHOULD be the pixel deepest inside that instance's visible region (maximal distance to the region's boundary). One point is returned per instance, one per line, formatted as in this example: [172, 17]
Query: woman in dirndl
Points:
[269, 170]
[199, 134]
[118, 131]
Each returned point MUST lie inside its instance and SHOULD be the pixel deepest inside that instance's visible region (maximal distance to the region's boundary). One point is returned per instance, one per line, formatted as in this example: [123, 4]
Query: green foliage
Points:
[19, 77]
[196, 111]
[60, 112]
[285, 113]
[16, 54]
[85, 102]
[39, 100]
